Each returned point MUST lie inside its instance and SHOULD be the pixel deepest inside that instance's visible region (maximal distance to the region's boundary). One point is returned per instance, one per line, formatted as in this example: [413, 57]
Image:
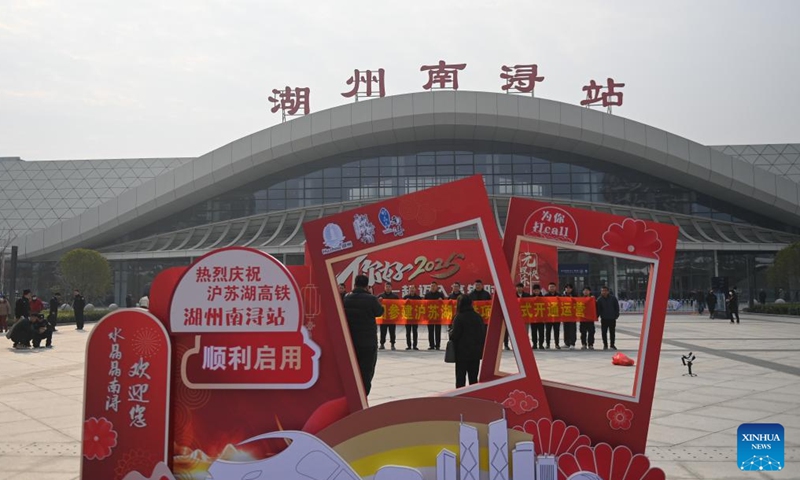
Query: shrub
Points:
[68, 316]
[776, 309]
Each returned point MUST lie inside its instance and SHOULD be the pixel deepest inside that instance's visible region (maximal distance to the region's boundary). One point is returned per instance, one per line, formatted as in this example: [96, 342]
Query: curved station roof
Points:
[303, 142]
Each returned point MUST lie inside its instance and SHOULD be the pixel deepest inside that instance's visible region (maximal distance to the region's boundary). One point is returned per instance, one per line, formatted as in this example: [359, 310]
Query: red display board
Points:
[126, 396]
[613, 418]
[405, 221]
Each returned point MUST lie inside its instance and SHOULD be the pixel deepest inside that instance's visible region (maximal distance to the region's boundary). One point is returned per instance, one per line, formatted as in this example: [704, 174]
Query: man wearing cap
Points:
[41, 331]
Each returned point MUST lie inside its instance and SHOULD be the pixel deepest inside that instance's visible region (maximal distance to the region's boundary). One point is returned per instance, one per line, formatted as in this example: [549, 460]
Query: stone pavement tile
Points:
[44, 476]
[719, 471]
[670, 435]
[674, 470]
[673, 405]
[68, 466]
[775, 397]
[697, 422]
[12, 415]
[738, 414]
[750, 403]
[718, 439]
[20, 387]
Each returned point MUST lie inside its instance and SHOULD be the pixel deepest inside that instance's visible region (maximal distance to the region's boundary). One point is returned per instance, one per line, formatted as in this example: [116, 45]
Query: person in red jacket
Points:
[36, 304]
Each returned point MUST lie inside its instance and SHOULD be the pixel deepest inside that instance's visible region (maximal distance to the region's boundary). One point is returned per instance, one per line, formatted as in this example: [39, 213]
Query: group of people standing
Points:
[543, 333]
[709, 299]
[467, 330]
[31, 327]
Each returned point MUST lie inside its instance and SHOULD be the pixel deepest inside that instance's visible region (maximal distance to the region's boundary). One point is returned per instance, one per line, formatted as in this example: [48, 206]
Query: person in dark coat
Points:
[762, 297]
[361, 308]
[78, 304]
[553, 328]
[22, 308]
[732, 301]
[41, 331]
[342, 291]
[129, 301]
[608, 312]
[537, 329]
[700, 301]
[412, 331]
[587, 328]
[434, 331]
[467, 333]
[570, 328]
[52, 318]
[21, 333]
[456, 292]
[388, 294]
[711, 301]
[478, 293]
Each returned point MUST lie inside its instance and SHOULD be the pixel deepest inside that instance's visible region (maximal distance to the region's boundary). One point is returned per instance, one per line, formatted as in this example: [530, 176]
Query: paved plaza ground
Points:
[746, 373]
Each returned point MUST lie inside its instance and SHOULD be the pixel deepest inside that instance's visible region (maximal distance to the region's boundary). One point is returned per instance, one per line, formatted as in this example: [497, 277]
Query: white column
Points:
[469, 452]
[498, 450]
[523, 461]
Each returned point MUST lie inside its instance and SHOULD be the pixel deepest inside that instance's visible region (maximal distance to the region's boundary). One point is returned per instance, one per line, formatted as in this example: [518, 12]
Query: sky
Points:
[99, 79]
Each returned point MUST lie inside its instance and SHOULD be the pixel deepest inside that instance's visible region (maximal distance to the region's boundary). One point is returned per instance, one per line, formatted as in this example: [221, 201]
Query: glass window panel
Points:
[350, 172]
[388, 162]
[502, 169]
[560, 189]
[317, 174]
[426, 171]
[483, 169]
[388, 171]
[560, 167]
[521, 159]
[333, 172]
[276, 205]
[409, 171]
[445, 159]
[277, 193]
[482, 159]
[424, 160]
[540, 168]
[581, 188]
[502, 158]
[523, 168]
[369, 171]
[313, 193]
[333, 193]
[560, 178]
[581, 178]
[370, 162]
[445, 170]
[290, 203]
[463, 159]
[298, 193]
[332, 182]
[464, 170]
[313, 183]
[407, 160]
[521, 179]
[351, 182]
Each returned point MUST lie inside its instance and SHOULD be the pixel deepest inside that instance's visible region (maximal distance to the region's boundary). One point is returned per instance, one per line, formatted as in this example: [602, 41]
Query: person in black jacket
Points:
[479, 294]
[388, 294]
[129, 301]
[21, 333]
[537, 329]
[434, 331]
[732, 301]
[342, 291]
[700, 301]
[52, 318]
[552, 327]
[78, 304]
[587, 328]
[456, 292]
[711, 301]
[467, 333]
[41, 331]
[22, 308]
[608, 312]
[361, 308]
[412, 330]
[570, 328]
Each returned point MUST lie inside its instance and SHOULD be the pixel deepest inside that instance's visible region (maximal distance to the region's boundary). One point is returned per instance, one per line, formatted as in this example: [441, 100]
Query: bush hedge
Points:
[68, 316]
[776, 309]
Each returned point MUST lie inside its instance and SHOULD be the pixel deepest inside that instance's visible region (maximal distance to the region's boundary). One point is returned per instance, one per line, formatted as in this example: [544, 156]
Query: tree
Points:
[785, 271]
[87, 271]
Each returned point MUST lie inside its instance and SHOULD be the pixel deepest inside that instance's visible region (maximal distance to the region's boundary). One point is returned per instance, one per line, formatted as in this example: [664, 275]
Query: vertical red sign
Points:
[126, 399]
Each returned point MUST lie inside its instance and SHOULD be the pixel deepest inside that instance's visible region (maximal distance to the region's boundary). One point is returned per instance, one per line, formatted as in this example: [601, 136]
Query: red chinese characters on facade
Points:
[607, 96]
[442, 75]
[521, 78]
[363, 82]
[290, 101]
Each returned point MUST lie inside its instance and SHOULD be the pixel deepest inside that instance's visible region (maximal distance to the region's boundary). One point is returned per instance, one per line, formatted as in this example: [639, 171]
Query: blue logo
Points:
[384, 217]
[760, 447]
